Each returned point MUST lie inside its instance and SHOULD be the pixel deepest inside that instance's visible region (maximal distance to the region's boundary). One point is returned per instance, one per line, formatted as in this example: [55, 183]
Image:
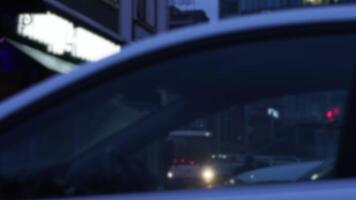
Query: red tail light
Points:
[332, 114]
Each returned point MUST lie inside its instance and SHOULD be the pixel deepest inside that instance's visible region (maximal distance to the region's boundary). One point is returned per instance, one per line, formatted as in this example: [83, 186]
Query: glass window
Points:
[259, 113]
[256, 6]
[151, 12]
[141, 10]
[256, 142]
[145, 18]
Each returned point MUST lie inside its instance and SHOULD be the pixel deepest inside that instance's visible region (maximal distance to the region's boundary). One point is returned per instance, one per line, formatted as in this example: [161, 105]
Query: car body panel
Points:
[297, 191]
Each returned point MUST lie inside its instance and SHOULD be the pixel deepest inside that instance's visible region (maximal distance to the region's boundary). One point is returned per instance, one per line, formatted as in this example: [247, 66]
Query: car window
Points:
[284, 139]
[254, 113]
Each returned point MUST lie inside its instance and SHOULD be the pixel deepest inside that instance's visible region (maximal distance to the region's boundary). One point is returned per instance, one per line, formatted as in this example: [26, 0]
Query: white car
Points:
[291, 173]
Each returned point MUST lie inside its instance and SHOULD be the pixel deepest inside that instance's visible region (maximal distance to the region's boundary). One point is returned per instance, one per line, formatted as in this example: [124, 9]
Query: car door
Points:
[189, 114]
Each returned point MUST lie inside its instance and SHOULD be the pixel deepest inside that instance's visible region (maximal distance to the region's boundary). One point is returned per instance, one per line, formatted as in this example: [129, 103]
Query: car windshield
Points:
[203, 120]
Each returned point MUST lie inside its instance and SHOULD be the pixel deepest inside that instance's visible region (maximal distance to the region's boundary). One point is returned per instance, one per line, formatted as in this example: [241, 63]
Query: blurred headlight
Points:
[315, 177]
[170, 175]
[208, 174]
[232, 181]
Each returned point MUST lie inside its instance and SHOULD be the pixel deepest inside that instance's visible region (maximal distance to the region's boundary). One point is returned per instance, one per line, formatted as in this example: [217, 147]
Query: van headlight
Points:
[232, 181]
[208, 175]
[170, 175]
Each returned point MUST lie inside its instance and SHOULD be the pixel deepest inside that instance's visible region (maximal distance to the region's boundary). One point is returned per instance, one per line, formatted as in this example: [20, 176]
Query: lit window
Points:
[60, 36]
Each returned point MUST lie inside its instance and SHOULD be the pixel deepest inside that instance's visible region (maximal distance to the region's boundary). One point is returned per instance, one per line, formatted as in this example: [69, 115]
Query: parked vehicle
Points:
[313, 170]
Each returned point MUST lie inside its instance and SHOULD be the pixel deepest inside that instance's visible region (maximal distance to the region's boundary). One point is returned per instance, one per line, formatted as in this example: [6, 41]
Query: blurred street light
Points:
[273, 113]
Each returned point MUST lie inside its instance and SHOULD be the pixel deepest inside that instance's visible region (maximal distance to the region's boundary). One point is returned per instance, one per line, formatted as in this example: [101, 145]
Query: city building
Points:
[182, 18]
[40, 38]
[85, 30]
[229, 8]
[142, 18]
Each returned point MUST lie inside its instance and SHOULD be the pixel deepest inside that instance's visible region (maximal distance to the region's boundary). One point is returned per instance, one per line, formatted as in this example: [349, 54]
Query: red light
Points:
[336, 111]
[329, 114]
[182, 161]
[332, 114]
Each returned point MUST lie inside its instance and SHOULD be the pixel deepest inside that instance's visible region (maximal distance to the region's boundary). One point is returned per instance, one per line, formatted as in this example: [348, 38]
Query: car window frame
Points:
[182, 49]
[345, 163]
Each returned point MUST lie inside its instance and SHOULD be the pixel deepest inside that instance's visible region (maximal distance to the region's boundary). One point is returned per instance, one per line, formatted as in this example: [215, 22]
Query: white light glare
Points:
[232, 181]
[273, 113]
[315, 177]
[170, 175]
[208, 174]
[60, 36]
[207, 134]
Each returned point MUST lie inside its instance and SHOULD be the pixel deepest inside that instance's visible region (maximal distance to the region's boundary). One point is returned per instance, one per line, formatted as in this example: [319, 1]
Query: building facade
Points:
[54, 36]
[229, 8]
[180, 18]
[184, 13]
[142, 18]
[107, 23]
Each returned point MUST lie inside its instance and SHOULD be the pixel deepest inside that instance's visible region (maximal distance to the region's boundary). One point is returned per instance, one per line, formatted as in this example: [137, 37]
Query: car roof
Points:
[252, 23]
[291, 172]
[317, 190]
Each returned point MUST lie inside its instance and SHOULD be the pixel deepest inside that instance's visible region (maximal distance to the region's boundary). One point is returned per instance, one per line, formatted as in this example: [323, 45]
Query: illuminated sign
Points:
[61, 36]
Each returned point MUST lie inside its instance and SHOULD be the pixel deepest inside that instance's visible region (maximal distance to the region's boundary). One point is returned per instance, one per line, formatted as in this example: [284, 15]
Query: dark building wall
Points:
[97, 10]
[18, 71]
[230, 8]
[180, 18]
